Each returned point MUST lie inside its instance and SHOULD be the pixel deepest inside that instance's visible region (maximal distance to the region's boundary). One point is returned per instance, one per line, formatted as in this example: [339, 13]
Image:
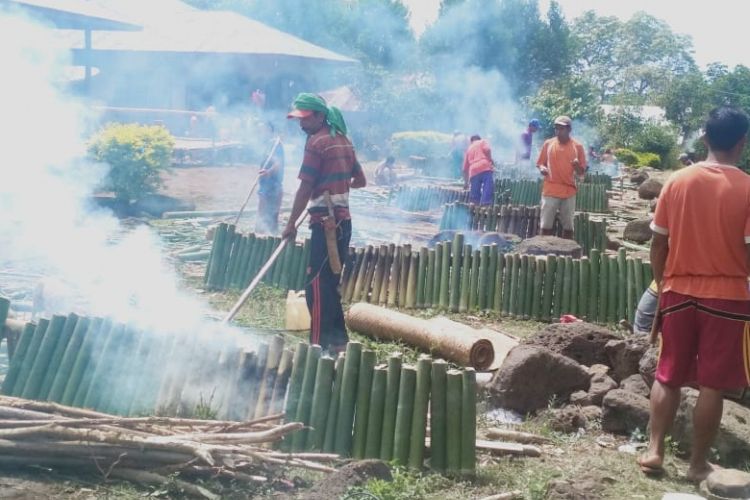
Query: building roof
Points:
[71, 14]
[183, 29]
[343, 98]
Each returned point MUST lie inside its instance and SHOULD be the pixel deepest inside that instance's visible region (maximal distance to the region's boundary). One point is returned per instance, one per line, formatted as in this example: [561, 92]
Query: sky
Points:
[716, 27]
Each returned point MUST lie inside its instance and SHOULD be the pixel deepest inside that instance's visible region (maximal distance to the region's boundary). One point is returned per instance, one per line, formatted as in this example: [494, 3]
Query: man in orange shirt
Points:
[559, 160]
[699, 257]
[478, 170]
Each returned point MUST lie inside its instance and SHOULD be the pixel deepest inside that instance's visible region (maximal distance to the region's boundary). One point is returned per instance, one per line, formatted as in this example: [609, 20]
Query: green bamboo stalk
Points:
[345, 418]
[593, 309]
[622, 284]
[469, 420]
[456, 271]
[404, 412]
[429, 284]
[214, 259]
[41, 361]
[278, 266]
[453, 430]
[18, 359]
[394, 278]
[445, 276]
[362, 412]
[567, 282]
[385, 282]
[92, 338]
[549, 286]
[603, 288]
[221, 276]
[484, 276]
[529, 290]
[359, 283]
[419, 415]
[612, 290]
[474, 280]
[640, 287]
[375, 419]
[352, 277]
[521, 290]
[411, 282]
[463, 303]
[242, 278]
[53, 367]
[557, 297]
[584, 286]
[438, 415]
[390, 407]
[648, 275]
[321, 401]
[104, 364]
[631, 297]
[498, 300]
[295, 389]
[422, 277]
[507, 284]
[538, 289]
[403, 281]
[377, 281]
[492, 277]
[230, 275]
[333, 407]
[304, 407]
[30, 357]
[574, 287]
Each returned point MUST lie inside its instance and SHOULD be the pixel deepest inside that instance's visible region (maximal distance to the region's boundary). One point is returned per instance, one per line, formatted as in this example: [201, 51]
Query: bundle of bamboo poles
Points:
[354, 407]
[456, 277]
[522, 221]
[423, 198]
[598, 178]
[235, 259]
[108, 366]
[146, 450]
[591, 197]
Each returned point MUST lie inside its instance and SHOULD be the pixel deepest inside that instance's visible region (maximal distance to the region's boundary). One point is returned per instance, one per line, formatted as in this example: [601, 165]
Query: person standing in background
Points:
[523, 152]
[478, 172]
[270, 185]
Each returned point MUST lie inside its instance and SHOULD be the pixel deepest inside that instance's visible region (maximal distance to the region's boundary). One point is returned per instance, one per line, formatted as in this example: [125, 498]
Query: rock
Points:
[638, 230]
[650, 189]
[580, 398]
[647, 365]
[623, 412]
[600, 386]
[639, 177]
[591, 412]
[531, 375]
[598, 369]
[580, 488]
[635, 384]
[156, 204]
[545, 245]
[732, 442]
[580, 341]
[352, 474]
[652, 205]
[729, 483]
[625, 355]
[567, 420]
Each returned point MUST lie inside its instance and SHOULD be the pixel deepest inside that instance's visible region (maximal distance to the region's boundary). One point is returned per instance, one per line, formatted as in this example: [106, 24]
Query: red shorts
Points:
[705, 341]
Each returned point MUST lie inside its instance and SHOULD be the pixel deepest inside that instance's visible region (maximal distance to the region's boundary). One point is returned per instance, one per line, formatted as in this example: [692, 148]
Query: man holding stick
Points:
[699, 257]
[329, 169]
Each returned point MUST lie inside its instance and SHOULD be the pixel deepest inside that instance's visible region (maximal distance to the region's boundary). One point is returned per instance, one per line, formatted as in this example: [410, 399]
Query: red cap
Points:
[299, 113]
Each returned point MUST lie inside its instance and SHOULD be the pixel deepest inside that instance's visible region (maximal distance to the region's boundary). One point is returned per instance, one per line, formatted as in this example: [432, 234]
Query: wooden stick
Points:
[519, 437]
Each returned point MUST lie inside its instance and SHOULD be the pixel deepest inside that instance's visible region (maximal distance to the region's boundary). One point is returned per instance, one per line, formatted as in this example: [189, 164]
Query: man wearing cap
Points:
[523, 154]
[560, 159]
[329, 169]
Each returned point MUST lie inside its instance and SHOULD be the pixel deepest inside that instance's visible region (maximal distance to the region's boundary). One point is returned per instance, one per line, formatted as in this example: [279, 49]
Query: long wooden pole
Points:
[255, 183]
[263, 270]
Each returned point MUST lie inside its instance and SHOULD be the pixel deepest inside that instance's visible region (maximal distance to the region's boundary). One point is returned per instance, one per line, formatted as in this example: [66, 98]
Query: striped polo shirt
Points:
[329, 163]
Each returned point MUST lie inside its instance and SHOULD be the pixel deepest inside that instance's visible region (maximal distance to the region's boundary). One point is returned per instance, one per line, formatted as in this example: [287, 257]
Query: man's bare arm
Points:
[659, 252]
[300, 203]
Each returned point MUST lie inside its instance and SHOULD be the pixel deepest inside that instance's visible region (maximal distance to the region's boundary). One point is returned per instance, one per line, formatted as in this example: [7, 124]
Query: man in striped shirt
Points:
[329, 166]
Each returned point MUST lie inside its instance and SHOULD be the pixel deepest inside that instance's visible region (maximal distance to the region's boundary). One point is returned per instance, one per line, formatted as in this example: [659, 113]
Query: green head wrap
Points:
[312, 102]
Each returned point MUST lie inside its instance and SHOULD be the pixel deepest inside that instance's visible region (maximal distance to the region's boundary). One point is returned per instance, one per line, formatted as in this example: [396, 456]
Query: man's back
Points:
[705, 211]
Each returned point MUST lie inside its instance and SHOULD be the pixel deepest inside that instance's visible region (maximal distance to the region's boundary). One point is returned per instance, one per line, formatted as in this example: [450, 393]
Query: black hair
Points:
[475, 137]
[725, 127]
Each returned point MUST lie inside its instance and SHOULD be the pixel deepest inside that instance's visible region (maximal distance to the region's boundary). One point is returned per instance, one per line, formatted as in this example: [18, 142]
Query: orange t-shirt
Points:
[704, 209]
[558, 157]
[478, 158]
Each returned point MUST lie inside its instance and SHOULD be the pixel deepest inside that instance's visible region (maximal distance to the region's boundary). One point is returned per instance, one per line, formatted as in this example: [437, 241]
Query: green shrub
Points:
[659, 140]
[136, 155]
[427, 143]
[649, 160]
[627, 157]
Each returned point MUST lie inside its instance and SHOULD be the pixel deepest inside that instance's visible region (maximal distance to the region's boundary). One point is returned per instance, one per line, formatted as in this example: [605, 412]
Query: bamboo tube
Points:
[33, 383]
[286, 261]
[359, 282]
[362, 412]
[295, 388]
[491, 277]
[484, 276]
[124, 376]
[101, 365]
[549, 286]
[385, 282]
[538, 289]
[603, 288]
[370, 275]
[393, 382]
[567, 283]
[463, 303]
[280, 384]
[302, 279]
[498, 299]
[268, 377]
[455, 276]
[631, 297]
[255, 376]
[612, 290]
[421, 277]
[214, 260]
[375, 419]
[557, 297]
[379, 274]
[404, 412]
[529, 290]
[437, 279]
[333, 406]
[574, 287]
[474, 280]
[453, 430]
[622, 285]
[92, 339]
[254, 262]
[278, 265]
[352, 277]
[584, 293]
[221, 275]
[245, 258]
[299, 439]
[469, 420]
[321, 401]
[403, 281]
[438, 415]
[507, 282]
[445, 276]
[430, 279]
[395, 275]
[419, 414]
[234, 260]
[639, 285]
[18, 359]
[411, 286]
[345, 418]
[521, 291]
[593, 309]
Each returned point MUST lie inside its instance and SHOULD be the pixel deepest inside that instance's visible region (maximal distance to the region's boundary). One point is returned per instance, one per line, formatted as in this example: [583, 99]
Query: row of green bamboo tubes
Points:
[598, 178]
[522, 221]
[456, 277]
[590, 197]
[235, 259]
[356, 408]
[417, 199]
[111, 367]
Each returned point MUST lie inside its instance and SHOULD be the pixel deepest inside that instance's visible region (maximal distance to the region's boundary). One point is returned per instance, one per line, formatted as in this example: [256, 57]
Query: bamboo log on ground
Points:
[516, 436]
[471, 348]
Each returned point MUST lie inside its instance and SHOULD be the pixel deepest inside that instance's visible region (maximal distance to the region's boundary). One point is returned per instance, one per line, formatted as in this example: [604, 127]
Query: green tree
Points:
[572, 96]
[686, 101]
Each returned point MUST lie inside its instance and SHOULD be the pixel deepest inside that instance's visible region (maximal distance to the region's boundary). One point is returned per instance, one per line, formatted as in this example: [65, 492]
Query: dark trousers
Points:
[482, 189]
[327, 326]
